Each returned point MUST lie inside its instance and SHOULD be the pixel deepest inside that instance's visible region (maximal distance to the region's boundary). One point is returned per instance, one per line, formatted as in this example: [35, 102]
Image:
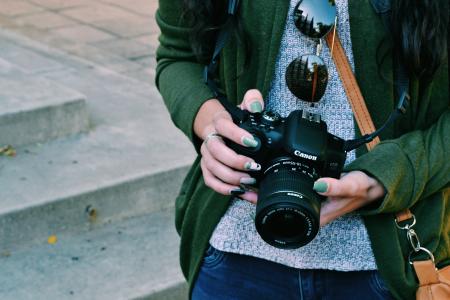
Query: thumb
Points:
[332, 187]
[253, 101]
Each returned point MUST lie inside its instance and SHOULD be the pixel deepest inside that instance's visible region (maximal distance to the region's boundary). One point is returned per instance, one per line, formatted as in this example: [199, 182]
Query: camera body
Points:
[293, 152]
[302, 136]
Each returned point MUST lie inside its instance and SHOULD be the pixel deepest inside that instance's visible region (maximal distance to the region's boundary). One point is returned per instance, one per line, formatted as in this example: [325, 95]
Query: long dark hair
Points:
[419, 31]
[206, 18]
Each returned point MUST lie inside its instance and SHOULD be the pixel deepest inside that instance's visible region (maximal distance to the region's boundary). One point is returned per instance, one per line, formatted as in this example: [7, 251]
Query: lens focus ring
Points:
[287, 213]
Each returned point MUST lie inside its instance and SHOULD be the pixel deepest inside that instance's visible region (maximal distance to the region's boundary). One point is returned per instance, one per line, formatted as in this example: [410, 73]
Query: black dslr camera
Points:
[293, 153]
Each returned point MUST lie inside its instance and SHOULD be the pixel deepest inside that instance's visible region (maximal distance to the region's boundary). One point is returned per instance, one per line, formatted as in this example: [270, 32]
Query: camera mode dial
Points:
[270, 118]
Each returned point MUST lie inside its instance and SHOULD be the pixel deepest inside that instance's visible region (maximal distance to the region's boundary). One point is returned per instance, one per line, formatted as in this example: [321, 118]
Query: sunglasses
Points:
[307, 75]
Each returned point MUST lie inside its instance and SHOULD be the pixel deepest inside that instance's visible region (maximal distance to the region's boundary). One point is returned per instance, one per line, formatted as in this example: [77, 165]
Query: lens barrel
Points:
[287, 213]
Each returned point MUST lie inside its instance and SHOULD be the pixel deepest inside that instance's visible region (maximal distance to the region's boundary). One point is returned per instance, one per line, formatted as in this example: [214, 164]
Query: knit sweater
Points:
[342, 245]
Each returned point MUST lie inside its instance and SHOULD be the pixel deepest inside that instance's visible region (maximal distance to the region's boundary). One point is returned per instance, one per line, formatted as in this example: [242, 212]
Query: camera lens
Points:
[287, 213]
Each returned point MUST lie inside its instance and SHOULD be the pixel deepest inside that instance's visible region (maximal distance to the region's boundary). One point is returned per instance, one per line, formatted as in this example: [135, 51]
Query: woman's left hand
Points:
[353, 191]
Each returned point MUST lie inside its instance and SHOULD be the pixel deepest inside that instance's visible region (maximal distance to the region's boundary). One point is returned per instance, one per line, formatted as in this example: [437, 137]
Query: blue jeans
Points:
[225, 276]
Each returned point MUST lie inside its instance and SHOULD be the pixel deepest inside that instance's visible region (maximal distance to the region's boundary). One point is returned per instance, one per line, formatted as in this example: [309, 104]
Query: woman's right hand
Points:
[223, 169]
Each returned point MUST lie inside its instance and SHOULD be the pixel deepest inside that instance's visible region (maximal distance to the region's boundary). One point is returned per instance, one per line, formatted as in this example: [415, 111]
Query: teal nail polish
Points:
[256, 107]
[249, 142]
[248, 180]
[252, 166]
[320, 186]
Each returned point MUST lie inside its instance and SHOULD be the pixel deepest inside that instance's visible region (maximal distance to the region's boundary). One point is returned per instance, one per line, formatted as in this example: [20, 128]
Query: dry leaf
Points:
[7, 151]
[5, 254]
[52, 239]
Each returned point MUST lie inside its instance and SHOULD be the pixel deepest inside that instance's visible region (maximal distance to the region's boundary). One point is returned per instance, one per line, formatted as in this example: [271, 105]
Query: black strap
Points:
[384, 9]
[210, 71]
[399, 110]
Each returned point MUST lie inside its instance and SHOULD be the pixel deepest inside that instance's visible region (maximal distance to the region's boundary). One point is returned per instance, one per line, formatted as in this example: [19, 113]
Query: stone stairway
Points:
[86, 204]
[35, 109]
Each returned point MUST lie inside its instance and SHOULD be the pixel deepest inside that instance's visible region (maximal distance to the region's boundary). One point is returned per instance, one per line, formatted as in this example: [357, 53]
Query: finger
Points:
[225, 127]
[330, 210]
[332, 187]
[334, 208]
[253, 101]
[250, 196]
[223, 172]
[219, 151]
[217, 185]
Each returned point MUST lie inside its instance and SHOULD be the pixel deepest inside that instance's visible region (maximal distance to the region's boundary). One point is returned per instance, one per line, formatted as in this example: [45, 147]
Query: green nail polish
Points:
[248, 180]
[320, 186]
[252, 166]
[256, 107]
[249, 142]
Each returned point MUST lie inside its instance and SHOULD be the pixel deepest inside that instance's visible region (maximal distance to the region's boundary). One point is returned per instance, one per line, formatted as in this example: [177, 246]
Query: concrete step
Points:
[121, 176]
[34, 109]
[132, 259]
[130, 163]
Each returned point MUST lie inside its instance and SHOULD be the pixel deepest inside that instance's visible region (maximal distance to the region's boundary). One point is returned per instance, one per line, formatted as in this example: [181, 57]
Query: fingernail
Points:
[252, 166]
[320, 186]
[237, 192]
[247, 180]
[256, 107]
[249, 142]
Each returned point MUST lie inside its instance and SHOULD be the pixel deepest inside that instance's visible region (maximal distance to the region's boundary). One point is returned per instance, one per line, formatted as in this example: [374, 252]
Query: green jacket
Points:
[412, 162]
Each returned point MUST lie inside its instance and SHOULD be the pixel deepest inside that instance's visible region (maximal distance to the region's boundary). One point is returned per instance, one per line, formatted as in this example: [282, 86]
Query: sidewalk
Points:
[87, 188]
[118, 34]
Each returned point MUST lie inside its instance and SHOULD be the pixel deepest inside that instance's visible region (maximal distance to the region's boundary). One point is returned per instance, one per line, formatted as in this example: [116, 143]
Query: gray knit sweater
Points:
[342, 245]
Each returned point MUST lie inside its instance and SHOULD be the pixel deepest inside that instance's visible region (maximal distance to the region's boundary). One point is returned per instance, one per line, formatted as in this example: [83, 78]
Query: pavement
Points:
[87, 188]
[120, 35]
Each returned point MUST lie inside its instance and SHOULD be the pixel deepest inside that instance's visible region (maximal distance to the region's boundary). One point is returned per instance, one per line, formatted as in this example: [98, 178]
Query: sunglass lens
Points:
[307, 77]
[315, 18]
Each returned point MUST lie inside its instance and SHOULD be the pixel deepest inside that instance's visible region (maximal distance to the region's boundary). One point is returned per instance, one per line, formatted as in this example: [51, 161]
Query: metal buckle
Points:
[413, 239]
[408, 225]
[428, 252]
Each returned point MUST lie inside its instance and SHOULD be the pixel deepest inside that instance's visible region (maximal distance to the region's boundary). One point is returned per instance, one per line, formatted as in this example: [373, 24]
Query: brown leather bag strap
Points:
[403, 215]
[426, 272]
[351, 87]
[356, 99]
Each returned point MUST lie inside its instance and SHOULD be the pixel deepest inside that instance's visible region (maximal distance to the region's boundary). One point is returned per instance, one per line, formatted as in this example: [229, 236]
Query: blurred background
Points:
[90, 163]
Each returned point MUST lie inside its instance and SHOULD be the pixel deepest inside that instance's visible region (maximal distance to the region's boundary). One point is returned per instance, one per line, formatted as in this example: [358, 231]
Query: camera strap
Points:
[211, 70]
[383, 9]
[362, 116]
[356, 99]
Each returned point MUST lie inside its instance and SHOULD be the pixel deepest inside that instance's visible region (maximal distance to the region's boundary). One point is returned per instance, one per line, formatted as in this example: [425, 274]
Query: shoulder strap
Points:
[210, 70]
[425, 270]
[352, 90]
[384, 9]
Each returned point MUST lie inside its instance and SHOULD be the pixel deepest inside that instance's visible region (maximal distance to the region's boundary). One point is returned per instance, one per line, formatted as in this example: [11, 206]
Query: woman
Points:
[359, 254]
